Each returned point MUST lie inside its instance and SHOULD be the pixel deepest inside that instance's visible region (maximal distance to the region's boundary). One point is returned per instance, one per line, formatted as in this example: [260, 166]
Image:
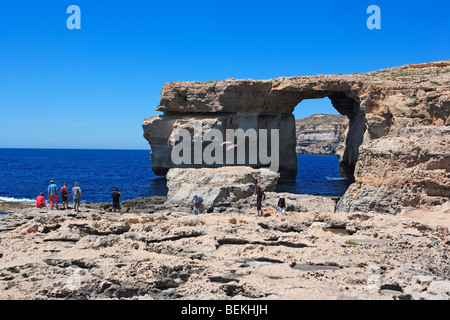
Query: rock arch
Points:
[249, 104]
[385, 117]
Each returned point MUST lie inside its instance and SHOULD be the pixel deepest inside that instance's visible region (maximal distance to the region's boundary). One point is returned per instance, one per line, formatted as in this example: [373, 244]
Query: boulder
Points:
[217, 186]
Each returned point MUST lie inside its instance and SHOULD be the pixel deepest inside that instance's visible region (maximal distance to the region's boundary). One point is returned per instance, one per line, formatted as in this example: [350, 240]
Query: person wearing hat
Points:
[53, 193]
[281, 205]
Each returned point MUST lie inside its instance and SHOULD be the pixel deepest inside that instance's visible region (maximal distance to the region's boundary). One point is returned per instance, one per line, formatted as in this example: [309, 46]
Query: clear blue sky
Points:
[92, 88]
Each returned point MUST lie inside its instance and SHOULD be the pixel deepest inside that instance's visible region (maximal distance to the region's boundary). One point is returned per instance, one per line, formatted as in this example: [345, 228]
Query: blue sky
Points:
[92, 88]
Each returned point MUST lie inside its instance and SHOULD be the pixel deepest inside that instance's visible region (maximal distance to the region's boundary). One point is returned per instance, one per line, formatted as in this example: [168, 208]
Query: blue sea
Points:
[27, 172]
[318, 176]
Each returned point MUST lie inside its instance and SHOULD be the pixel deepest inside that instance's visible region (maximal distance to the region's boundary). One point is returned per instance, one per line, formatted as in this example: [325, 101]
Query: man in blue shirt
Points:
[53, 194]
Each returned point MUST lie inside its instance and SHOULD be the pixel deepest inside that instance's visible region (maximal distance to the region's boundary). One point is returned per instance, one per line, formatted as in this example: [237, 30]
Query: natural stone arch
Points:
[252, 104]
[348, 150]
[396, 140]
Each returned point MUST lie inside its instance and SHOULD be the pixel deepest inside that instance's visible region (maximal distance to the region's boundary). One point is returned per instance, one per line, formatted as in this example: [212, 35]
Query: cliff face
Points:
[319, 134]
[395, 144]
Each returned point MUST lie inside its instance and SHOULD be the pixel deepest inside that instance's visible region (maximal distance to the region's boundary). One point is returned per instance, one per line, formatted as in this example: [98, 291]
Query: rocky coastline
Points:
[157, 250]
[386, 238]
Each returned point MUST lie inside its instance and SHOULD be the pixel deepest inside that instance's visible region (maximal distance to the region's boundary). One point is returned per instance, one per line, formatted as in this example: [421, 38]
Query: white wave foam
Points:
[335, 179]
[8, 199]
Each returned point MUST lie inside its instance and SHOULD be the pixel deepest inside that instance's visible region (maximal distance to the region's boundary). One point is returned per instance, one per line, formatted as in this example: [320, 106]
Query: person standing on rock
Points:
[116, 200]
[197, 201]
[65, 196]
[76, 195]
[53, 193]
[281, 205]
[259, 200]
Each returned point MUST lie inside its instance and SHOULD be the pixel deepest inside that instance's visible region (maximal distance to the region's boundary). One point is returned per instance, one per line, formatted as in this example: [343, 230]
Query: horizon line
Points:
[54, 148]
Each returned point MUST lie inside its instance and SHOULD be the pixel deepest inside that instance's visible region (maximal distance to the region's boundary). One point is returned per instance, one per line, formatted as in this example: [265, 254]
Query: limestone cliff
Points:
[319, 134]
[396, 139]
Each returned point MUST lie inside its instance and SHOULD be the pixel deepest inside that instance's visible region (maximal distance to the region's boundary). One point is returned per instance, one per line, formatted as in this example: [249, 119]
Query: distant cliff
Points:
[319, 134]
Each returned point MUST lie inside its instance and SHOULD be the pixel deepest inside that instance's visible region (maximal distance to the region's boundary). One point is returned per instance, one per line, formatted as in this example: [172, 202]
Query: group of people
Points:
[197, 202]
[53, 193]
[260, 196]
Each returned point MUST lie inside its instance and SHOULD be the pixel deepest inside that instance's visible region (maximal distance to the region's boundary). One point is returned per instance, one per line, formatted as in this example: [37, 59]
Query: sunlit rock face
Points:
[394, 144]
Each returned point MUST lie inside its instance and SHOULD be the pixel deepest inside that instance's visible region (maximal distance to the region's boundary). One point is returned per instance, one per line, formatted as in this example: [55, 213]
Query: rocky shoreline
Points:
[386, 238]
[158, 250]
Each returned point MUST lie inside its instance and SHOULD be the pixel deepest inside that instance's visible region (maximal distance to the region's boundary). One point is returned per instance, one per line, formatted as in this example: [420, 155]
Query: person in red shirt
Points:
[65, 196]
[40, 201]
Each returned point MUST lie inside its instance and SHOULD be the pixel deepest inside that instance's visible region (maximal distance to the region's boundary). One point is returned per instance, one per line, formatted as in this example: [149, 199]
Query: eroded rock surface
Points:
[172, 254]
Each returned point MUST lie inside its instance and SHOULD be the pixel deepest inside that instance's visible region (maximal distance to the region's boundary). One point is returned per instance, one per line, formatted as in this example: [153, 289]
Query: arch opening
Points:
[334, 118]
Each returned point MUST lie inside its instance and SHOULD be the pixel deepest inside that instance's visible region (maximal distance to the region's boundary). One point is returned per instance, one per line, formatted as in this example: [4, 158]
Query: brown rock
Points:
[207, 257]
[217, 186]
[395, 142]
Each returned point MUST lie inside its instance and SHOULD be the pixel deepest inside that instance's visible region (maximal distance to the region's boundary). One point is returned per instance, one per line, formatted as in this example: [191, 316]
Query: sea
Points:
[24, 173]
